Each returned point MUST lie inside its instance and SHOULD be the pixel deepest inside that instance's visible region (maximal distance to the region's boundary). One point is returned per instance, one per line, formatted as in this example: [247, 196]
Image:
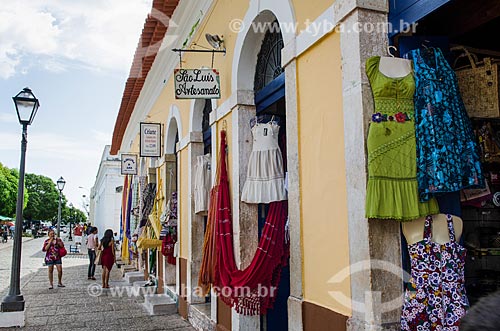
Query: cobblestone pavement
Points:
[82, 304]
[31, 260]
[10, 242]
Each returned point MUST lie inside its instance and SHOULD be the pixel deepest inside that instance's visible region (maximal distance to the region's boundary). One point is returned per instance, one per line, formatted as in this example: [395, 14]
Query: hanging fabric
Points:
[447, 152]
[265, 180]
[209, 259]
[126, 202]
[253, 290]
[202, 184]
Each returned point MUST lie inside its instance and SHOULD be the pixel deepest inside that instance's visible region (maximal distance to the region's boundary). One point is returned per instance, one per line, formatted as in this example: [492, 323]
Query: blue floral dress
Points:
[447, 152]
[435, 298]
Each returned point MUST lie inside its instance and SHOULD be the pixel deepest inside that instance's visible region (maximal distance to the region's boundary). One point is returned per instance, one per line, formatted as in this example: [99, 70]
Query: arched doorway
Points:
[170, 187]
[199, 154]
[269, 89]
[262, 76]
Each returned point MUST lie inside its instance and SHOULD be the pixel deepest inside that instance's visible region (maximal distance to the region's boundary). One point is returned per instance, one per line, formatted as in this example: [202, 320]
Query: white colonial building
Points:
[105, 198]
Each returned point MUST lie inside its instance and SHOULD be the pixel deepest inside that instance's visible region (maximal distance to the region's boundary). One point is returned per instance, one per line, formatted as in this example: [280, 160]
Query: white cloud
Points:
[98, 34]
[55, 155]
[8, 118]
[54, 146]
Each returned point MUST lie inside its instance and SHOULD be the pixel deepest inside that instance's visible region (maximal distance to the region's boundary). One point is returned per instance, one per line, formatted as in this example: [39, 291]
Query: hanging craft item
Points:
[218, 264]
[447, 152]
[265, 180]
[169, 231]
[147, 239]
[202, 184]
[125, 218]
[478, 83]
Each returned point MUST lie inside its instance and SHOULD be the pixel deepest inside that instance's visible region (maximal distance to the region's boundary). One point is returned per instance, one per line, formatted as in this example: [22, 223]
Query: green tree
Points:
[8, 191]
[43, 198]
[72, 214]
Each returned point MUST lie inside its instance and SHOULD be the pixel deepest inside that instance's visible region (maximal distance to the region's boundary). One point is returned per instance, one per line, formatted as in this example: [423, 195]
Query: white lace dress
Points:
[265, 181]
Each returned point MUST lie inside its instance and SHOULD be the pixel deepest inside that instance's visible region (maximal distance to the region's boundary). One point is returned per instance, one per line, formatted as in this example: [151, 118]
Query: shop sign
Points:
[150, 143]
[129, 164]
[197, 84]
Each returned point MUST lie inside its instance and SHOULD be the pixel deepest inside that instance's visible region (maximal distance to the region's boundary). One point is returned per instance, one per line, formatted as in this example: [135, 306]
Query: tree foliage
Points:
[43, 198]
[72, 214]
[8, 191]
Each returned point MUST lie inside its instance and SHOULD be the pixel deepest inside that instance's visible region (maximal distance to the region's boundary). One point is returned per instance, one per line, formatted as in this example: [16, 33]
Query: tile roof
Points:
[154, 30]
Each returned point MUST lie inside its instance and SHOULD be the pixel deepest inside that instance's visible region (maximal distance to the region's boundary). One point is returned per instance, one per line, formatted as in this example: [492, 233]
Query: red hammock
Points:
[253, 290]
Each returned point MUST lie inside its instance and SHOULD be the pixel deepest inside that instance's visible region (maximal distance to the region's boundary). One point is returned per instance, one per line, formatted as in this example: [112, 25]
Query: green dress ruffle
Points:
[392, 191]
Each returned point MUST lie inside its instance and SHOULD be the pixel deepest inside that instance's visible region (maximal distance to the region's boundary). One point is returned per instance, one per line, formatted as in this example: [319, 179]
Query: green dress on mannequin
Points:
[392, 191]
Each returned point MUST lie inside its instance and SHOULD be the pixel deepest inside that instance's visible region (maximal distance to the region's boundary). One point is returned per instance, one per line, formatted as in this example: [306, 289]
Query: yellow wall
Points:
[322, 172]
[321, 145]
[308, 11]
[211, 24]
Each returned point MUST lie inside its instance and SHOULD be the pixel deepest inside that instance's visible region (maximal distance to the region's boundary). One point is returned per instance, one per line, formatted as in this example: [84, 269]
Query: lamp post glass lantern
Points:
[60, 186]
[26, 107]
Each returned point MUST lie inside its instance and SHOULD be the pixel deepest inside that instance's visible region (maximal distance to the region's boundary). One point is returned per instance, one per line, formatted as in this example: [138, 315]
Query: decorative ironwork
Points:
[269, 58]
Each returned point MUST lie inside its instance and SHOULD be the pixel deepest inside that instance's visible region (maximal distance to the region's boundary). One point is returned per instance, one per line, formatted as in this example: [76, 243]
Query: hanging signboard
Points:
[197, 84]
[150, 143]
[129, 164]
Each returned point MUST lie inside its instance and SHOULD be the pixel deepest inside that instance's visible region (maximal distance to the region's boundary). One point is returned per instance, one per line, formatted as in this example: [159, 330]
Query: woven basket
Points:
[479, 87]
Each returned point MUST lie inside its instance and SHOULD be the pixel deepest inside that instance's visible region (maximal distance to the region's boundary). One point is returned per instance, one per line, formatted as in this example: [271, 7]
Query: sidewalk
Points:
[10, 242]
[84, 305]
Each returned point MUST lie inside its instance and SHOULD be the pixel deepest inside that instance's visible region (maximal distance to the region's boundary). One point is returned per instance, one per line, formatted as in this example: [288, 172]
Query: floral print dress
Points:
[435, 298]
[447, 153]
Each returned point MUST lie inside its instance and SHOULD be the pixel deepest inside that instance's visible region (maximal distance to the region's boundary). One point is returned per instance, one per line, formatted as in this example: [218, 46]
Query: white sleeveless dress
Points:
[265, 181]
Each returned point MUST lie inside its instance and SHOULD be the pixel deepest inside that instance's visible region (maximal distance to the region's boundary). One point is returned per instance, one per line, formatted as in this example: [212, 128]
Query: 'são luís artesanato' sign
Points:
[197, 84]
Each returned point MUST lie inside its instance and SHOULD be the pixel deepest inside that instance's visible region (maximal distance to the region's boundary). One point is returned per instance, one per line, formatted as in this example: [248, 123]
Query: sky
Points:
[75, 55]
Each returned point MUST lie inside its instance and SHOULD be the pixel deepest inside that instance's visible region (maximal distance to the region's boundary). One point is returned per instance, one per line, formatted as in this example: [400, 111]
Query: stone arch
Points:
[248, 41]
[247, 47]
[196, 114]
[173, 127]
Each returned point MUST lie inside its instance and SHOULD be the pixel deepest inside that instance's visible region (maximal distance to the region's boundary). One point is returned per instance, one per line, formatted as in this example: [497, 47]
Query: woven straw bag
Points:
[479, 86]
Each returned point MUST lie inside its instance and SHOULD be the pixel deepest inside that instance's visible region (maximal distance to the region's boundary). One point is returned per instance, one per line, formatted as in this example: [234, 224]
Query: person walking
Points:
[77, 232]
[51, 247]
[92, 244]
[107, 246]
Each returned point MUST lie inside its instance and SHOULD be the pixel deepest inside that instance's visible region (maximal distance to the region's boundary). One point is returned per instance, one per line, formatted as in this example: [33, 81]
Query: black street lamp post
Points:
[70, 238]
[26, 107]
[60, 186]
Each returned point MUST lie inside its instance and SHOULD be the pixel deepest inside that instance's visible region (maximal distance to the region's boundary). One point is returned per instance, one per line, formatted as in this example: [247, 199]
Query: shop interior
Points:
[467, 33]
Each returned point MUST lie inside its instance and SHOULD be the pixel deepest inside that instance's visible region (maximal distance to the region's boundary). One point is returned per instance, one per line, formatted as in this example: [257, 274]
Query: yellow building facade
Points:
[332, 282]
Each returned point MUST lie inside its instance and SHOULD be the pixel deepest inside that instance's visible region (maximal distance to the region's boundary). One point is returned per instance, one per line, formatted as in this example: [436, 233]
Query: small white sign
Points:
[129, 164]
[197, 84]
[150, 144]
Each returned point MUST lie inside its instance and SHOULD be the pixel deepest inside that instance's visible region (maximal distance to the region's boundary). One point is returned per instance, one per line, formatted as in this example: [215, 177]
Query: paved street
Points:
[31, 261]
[72, 307]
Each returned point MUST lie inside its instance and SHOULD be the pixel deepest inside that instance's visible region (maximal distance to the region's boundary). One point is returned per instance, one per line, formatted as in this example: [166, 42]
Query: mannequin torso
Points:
[394, 67]
[414, 230]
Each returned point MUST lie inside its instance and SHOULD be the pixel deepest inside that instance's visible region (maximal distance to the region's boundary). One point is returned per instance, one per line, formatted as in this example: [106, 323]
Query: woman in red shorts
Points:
[107, 246]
